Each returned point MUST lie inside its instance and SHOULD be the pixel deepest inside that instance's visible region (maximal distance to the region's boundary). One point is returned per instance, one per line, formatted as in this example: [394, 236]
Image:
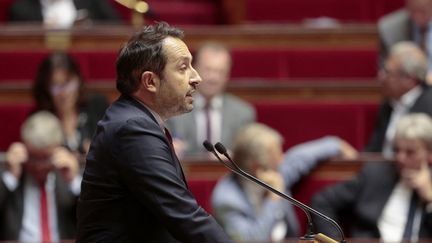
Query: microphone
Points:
[237, 170]
[306, 209]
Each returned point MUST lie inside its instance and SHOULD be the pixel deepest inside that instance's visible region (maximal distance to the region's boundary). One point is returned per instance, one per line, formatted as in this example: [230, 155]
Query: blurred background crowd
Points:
[326, 100]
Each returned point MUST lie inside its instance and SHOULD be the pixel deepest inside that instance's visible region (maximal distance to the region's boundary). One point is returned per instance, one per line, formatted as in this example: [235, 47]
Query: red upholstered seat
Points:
[4, 6]
[22, 65]
[202, 188]
[10, 122]
[304, 63]
[343, 10]
[300, 122]
[97, 65]
[196, 12]
[254, 63]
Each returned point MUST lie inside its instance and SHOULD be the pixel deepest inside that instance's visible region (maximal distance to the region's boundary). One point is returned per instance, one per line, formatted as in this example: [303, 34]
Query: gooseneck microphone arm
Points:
[222, 150]
[236, 169]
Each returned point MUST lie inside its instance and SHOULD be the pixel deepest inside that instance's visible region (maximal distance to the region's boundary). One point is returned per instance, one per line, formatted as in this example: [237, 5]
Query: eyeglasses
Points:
[386, 73]
[69, 86]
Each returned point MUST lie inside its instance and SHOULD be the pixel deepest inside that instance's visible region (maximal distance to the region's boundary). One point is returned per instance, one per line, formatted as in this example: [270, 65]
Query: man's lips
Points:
[190, 93]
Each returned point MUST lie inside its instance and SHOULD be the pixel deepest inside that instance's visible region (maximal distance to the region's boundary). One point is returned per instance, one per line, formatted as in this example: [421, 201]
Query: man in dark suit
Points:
[218, 115]
[133, 187]
[387, 200]
[404, 89]
[39, 189]
[408, 24]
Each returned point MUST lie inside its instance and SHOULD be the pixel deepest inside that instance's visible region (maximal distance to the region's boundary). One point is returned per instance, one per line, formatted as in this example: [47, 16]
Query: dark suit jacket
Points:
[12, 208]
[31, 10]
[133, 187]
[423, 104]
[362, 201]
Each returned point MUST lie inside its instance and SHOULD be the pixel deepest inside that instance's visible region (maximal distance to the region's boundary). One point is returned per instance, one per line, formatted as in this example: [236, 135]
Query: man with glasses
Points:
[39, 188]
[390, 201]
[404, 90]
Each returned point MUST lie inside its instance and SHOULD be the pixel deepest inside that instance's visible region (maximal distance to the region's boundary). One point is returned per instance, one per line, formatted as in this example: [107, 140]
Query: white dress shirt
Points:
[30, 230]
[215, 117]
[400, 108]
[393, 219]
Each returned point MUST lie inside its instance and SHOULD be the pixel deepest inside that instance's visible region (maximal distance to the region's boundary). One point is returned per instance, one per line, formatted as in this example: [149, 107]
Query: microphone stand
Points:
[310, 236]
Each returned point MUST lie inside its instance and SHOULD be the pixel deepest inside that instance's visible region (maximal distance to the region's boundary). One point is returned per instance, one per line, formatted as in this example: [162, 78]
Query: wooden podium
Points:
[317, 238]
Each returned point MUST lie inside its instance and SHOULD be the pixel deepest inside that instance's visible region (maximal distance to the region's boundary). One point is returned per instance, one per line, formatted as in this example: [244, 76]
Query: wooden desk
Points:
[334, 169]
[12, 92]
[111, 37]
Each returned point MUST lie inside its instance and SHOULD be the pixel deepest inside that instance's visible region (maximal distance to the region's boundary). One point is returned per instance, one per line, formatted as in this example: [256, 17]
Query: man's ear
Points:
[150, 81]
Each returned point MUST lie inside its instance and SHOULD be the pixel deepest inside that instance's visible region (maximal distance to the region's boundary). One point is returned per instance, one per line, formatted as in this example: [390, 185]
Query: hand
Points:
[15, 156]
[347, 151]
[419, 180]
[66, 162]
[274, 179]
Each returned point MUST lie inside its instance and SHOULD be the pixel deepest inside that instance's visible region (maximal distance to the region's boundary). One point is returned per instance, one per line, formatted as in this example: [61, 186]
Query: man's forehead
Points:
[40, 152]
[412, 143]
[176, 49]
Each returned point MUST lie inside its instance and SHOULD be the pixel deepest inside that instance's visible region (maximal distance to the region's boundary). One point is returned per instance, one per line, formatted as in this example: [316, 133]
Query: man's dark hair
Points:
[143, 52]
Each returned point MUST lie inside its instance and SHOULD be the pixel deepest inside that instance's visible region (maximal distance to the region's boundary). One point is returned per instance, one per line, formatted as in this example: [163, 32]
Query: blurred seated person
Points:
[412, 23]
[59, 88]
[40, 186]
[249, 212]
[62, 13]
[217, 115]
[402, 81]
[391, 201]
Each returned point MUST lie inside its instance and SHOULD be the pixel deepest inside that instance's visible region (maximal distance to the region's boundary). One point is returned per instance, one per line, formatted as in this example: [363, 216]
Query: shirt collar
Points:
[155, 115]
[408, 99]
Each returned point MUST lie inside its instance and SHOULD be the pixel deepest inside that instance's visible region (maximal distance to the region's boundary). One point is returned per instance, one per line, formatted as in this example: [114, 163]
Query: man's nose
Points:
[195, 78]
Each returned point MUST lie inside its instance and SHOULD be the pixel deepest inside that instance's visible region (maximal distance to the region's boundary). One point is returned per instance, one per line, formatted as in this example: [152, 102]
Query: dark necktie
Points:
[408, 232]
[423, 40]
[168, 135]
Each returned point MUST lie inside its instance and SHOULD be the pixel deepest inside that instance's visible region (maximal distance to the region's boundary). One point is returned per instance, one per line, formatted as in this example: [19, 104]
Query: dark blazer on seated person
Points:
[133, 187]
[31, 10]
[423, 105]
[362, 201]
[12, 210]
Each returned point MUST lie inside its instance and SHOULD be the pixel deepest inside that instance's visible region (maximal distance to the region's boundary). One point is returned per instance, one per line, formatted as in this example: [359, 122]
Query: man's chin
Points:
[186, 109]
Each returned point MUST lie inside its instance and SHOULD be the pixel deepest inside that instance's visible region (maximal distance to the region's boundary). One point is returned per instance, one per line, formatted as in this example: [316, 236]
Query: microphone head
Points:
[207, 145]
[220, 148]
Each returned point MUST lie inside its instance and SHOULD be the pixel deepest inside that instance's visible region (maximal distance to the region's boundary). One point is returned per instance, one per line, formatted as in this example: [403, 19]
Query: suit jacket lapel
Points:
[148, 113]
[174, 156]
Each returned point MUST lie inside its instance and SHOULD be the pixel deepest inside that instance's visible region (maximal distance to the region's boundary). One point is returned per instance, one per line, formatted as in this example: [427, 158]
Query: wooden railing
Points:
[254, 90]
[111, 37]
